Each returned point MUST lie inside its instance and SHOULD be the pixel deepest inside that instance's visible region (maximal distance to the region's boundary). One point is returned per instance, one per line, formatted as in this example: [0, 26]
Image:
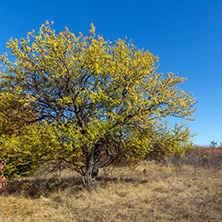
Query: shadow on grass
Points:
[35, 188]
[122, 180]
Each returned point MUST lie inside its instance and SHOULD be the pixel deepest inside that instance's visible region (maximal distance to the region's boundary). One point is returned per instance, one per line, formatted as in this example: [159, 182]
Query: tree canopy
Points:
[96, 101]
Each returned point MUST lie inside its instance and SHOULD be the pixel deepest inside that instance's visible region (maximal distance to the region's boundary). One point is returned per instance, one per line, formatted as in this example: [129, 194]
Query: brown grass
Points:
[147, 193]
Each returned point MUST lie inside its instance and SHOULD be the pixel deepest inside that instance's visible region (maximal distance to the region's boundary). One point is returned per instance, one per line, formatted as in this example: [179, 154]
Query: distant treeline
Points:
[200, 156]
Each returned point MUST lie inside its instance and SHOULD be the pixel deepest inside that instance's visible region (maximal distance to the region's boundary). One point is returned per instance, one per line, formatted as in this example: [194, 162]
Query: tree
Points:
[213, 144]
[97, 102]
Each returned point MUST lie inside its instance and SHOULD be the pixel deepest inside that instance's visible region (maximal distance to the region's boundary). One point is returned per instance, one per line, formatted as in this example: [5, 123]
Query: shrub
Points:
[200, 156]
[2, 177]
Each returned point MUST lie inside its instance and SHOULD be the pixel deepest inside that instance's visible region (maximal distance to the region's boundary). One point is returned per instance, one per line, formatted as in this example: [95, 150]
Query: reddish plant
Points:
[2, 177]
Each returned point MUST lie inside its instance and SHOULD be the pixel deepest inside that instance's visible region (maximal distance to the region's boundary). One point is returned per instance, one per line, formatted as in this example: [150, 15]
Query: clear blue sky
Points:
[185, 34]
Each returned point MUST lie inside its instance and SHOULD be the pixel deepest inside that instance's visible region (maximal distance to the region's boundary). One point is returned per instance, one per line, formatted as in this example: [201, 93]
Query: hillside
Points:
[147, 193]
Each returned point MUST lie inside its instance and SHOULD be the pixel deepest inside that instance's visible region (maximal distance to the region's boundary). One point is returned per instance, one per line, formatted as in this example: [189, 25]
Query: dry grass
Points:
[155, 194]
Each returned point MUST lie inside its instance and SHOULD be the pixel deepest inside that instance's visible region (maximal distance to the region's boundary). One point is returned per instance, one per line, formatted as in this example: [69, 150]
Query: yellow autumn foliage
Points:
[97, 101]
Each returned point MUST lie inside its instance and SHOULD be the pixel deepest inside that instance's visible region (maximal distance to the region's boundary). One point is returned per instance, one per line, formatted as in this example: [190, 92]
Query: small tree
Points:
[213, 144]
[97, 102]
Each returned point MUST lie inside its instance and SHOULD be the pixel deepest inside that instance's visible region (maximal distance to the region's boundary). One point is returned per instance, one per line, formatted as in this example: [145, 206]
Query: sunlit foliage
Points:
[15, 116]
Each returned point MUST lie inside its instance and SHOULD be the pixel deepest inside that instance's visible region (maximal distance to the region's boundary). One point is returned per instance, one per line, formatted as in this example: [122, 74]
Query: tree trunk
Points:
[90, 175]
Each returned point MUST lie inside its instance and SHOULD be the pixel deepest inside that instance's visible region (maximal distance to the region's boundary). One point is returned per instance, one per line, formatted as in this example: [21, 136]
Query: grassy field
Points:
[146, 193]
